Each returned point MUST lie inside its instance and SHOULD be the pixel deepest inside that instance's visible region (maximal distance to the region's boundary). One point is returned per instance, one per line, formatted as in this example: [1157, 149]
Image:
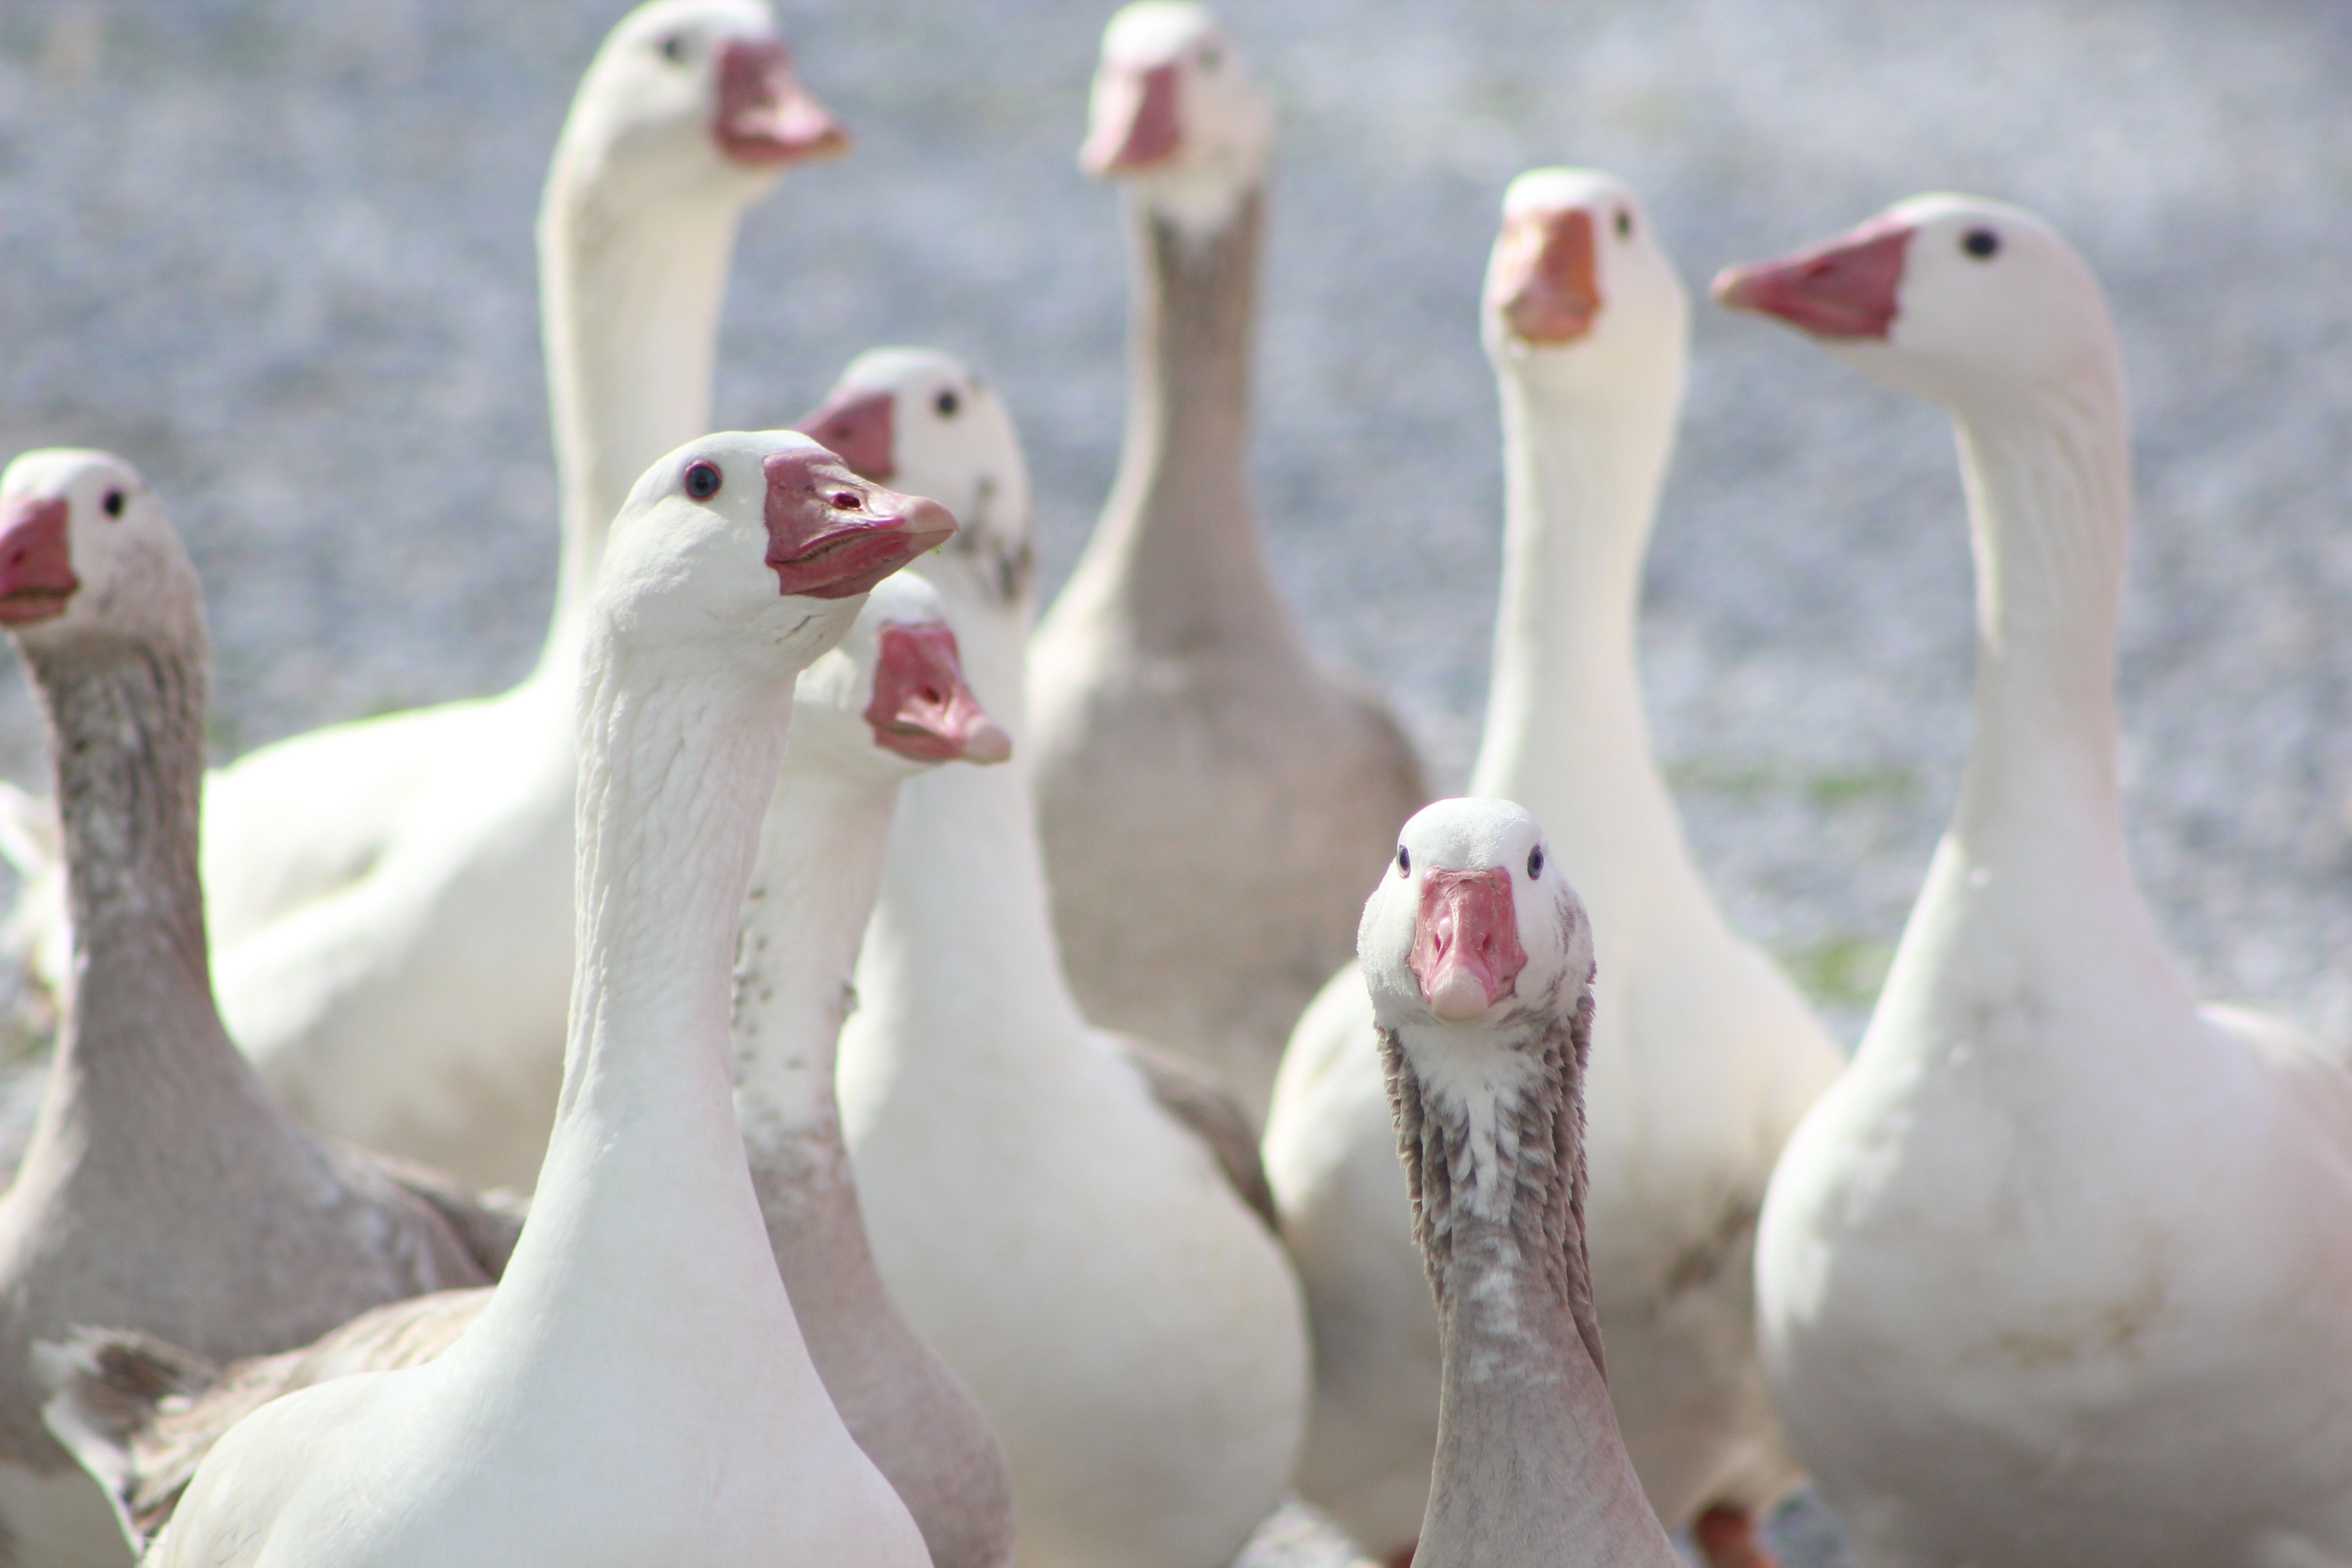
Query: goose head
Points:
[1473, 927]
[926, 421]
[1175, 114]
[1969, 302]
[87, 553]
[891, 701]
[756, 540]
[1578, 290]
[696, 94]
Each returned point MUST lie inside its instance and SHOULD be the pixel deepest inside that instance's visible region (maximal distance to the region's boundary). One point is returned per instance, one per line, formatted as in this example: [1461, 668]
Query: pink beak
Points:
[1847, 288]
[1544, 281]
[858, 425]
[1136, 124]
[765, 118]
[831, 535]
[1465, 944]
[923, 709]
[37, 574]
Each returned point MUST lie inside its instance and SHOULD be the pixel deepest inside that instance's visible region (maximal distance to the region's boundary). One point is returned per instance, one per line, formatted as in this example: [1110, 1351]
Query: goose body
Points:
[390, 897]
[1702, 1056]
[1187, 739]
[2055, 1275]
[163, 1190]
[1073, 1251]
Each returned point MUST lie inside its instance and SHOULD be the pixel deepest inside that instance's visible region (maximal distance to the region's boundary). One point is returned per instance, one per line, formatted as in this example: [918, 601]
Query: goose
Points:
[2055, 1273]
[1704, 1058]
[163, 1190]
[1074, 1250]
[889, 702]
[1476, 957]
[389, 897]
[638, 1389]
[1187, 739]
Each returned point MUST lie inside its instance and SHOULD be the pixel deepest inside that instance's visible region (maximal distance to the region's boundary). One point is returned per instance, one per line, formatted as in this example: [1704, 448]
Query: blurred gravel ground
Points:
[278, 252]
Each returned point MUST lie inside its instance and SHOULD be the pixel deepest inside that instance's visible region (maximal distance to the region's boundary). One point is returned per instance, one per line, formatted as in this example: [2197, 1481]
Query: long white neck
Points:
[631, 286]
[1566, 733]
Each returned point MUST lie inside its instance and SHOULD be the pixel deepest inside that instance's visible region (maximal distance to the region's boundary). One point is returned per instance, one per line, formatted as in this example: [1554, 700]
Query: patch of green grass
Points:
[1845, 970]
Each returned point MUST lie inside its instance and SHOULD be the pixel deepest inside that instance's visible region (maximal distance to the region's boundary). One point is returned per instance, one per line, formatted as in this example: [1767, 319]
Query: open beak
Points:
[37, 574]
[1466, 942]
[858, 425]
[765, 118]
[923, 707]
[831, 534]
[1543, 280]
[1847, 288]
[1134, 124]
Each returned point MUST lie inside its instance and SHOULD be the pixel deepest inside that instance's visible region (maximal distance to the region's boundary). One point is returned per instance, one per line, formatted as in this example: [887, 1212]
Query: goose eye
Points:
[673, 49]
[847, 500]
[1981, 243]
[1404, 862]
[113, 503]
[1535, 863]
[1625, 224]
[948, 402]
[702, 480]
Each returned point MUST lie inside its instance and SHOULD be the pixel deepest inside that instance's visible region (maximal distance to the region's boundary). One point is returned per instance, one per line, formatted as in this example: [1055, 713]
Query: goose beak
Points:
[1847, 288]
[857, 427]
[37, 574]
[1134, 124]
[765, 118]
[1466, 942]
[1544, 281]
[831, 535]
[922, 707]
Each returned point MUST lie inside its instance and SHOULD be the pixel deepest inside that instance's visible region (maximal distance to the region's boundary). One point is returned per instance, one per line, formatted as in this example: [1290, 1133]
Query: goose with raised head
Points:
[887, 703]
[1476, 957]
[638, 1389]
[1704, 1058]
[2055, 1274]
[1073, 1250]
[1187, 739]
[164, 1189]
[393, 896]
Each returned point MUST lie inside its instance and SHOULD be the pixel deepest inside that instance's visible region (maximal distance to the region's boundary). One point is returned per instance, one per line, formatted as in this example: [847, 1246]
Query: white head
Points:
[891, 701]
[1473, 929]
[1971, 302]
[1577, 287]
[756, 545]
[86, 553]
[694, 95]
[1175, 114]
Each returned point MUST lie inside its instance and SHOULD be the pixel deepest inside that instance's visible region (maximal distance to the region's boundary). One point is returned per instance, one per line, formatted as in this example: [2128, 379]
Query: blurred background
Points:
[278, 253]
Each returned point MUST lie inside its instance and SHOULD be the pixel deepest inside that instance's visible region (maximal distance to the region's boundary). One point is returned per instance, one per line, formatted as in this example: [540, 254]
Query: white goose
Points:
[1187, 739]
[2057, 1274]
[391, 897]
[164, 1189]
[890, 702]
[637, 1390]
[1070, 1247]
[1704, 1058]
[1476, 959]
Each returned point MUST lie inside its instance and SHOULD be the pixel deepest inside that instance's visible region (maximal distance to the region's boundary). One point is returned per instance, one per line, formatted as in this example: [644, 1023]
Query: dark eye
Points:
[948, 402]
[1211, 56]
[1404, 862]
[847, 500]
[113, 503]
[702, 480]
[1535, 863]
[1980, 243]
[1625, 224]
[673, 49]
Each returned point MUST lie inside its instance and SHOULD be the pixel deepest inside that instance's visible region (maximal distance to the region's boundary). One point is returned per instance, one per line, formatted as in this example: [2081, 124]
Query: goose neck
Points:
[632, 284]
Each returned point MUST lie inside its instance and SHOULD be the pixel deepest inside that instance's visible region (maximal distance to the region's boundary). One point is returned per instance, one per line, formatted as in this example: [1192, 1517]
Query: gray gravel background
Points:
[278, 253]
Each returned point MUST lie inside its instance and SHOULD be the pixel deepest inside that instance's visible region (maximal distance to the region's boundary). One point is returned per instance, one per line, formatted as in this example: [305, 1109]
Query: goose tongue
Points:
[831, 534]
[1849, 286]
[765, 116]
[857, 427]
[1544, 282]
[1465, 941]
[37, 574]
[1135, 122]
[923, 709]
